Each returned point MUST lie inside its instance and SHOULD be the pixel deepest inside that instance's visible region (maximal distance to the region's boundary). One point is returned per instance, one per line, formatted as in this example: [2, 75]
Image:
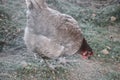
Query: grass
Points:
[95, 29]
[43, 73]
[12, 21]
[111, 76]
[33, 71]
[99, 39]
[7, 29]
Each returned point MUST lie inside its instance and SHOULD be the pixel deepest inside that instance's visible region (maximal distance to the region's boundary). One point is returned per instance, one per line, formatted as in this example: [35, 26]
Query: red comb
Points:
[86, 55]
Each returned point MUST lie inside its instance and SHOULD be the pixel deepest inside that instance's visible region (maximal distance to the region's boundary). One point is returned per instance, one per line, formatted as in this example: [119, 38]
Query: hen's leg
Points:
[50, 66]
[65, 61]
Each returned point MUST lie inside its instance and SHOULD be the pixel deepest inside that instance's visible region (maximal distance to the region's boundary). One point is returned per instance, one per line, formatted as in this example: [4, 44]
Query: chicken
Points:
[52, 34]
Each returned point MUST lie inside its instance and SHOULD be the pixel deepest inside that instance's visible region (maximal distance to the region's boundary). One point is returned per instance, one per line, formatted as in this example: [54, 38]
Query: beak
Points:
[86, 55]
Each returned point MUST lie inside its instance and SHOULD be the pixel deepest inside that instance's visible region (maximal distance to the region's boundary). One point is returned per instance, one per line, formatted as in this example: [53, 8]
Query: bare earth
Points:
[12, 65]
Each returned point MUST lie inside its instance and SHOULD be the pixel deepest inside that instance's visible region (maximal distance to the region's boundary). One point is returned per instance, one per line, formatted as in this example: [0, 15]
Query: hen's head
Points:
[86, 50]
[86, 54]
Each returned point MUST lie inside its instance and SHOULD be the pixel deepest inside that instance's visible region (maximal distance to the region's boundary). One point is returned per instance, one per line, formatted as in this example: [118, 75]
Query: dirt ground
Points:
[24, 65]
[79, 70]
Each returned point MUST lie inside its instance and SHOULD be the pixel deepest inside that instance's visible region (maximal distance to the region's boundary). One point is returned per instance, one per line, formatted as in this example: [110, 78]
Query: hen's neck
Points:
[85, 46]
[38, 4]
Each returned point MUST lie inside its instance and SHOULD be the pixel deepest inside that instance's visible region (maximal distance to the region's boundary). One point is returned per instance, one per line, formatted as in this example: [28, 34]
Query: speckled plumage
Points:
[49, 32]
